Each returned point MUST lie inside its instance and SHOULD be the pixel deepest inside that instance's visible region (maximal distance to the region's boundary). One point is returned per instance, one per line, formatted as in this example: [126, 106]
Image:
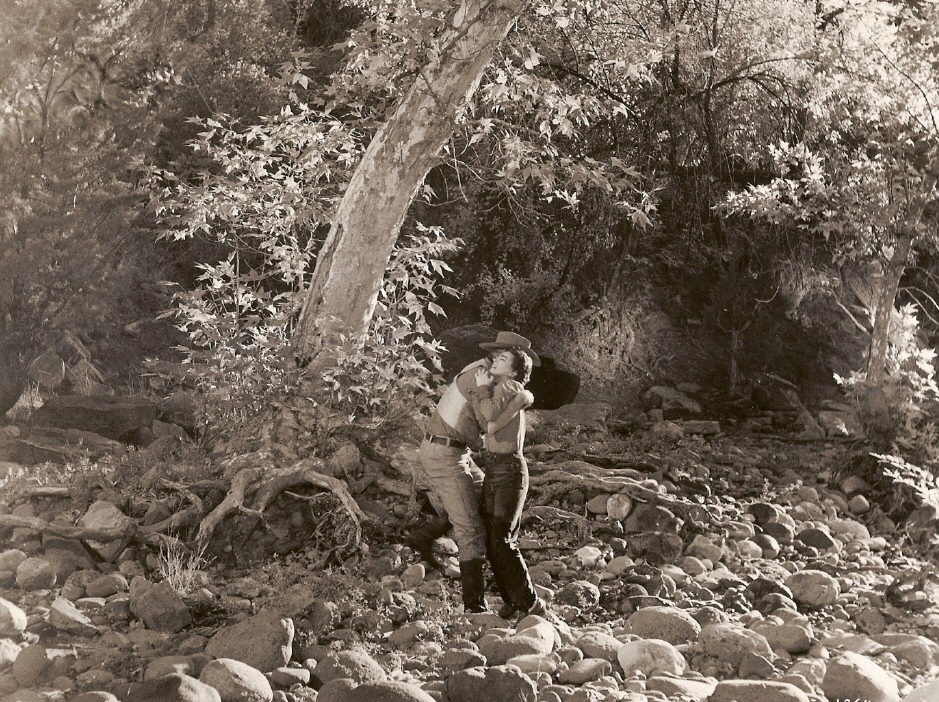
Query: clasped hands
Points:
[483, 377]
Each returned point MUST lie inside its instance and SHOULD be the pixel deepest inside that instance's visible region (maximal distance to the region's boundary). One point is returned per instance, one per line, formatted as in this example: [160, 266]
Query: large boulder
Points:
[853, 676]
[176, 687]
[499, 682]
[158, 606]
[552, 385]
[264, 641]
[236, 681]
[119, 418]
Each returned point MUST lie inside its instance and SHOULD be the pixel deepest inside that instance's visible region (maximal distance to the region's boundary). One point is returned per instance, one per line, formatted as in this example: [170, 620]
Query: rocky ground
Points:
[722, 568]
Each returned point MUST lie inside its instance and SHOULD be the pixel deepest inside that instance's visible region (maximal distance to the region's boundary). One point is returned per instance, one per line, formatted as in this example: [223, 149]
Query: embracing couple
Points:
[484, 407]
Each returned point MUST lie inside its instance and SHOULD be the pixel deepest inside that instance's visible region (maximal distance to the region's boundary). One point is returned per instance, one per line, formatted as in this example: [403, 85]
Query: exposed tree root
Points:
[232, 502]
[254, 488]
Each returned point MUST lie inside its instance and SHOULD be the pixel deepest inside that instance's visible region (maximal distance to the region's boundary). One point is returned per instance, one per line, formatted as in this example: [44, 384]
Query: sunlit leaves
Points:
[388, 372]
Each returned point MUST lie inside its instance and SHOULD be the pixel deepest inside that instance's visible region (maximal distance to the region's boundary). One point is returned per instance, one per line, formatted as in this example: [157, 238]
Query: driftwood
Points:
[45, 491]
[68, 532]
[549, 482]
[133, 531]
[548, 513]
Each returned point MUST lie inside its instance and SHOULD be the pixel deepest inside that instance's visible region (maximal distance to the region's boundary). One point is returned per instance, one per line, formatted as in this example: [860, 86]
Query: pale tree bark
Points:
[893, 270]
[883, 312]
[350, 267]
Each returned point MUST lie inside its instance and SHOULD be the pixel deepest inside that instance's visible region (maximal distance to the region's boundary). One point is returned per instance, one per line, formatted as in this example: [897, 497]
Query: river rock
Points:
[926, 693]
[792, 638]
[498, 645]
[264, 641]
[158, 606]
[814, 588]
[619, 506]
[12, 619]
[31, 665]
[495, 683]
[587, 670]
[730, 642]
[533, 662]
[173, 688]
[650, 657]
[355, 664]
[106, 516]
[388, 691]
[599, 644]
[11, 559]
[756, 691]
[581, 594]
[854, 676]
[64, 616]
[237, 681]
[666, 623]
[35, 573]
[702, 547]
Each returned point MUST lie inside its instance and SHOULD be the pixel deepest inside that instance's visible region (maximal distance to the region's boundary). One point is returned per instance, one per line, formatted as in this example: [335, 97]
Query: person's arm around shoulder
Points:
[518, 399]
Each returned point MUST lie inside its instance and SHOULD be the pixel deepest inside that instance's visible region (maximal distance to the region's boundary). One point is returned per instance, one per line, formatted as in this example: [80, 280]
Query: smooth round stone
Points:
[693, 566]
[702, 547]
[783, 533]
[852, 676]
[676, 626]
[731, 642]
[859, 505]
[764, 512]
[817, 538]
[749, 549]
[926, 693]
[740, 530]
[619, 506]
[650, 657]
[585, 671]
[769, 546]
[533, 662]
[813, 587]
[753, 690]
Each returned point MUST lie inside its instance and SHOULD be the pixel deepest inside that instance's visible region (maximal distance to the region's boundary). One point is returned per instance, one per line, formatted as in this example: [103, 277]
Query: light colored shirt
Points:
[455, 416]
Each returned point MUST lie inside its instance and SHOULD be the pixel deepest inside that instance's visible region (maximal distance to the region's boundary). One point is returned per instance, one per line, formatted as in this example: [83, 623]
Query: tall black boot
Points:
[473, 581]
[423, 537]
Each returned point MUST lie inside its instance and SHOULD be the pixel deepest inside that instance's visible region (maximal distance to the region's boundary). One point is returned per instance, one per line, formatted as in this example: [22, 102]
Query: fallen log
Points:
[67, 532]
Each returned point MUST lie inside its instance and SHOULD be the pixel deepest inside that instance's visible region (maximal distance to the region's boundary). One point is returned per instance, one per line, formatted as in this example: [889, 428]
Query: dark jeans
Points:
[504, 491]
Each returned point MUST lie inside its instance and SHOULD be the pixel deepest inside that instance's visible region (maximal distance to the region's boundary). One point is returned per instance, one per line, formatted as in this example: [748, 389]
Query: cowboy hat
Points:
[511, 340]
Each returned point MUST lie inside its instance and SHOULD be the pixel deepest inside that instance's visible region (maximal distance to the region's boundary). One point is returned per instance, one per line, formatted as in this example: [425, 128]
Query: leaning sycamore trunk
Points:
[885, 301]
[350, 267]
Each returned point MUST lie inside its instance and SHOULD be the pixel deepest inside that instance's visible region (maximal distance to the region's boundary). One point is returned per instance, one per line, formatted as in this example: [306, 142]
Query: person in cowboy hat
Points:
[501, 405]
[454, 479]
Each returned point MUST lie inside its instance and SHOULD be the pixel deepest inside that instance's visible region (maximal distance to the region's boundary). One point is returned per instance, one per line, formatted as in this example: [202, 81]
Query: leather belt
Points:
[445, 441]
[491, 457]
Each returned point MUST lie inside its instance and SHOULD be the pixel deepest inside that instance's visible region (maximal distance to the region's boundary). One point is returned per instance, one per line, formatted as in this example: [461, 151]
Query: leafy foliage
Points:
[389, 373]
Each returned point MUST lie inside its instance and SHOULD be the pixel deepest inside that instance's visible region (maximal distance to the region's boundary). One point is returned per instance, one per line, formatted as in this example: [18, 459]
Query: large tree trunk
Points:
[890, 283]
[351, 265]
[893, 272]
